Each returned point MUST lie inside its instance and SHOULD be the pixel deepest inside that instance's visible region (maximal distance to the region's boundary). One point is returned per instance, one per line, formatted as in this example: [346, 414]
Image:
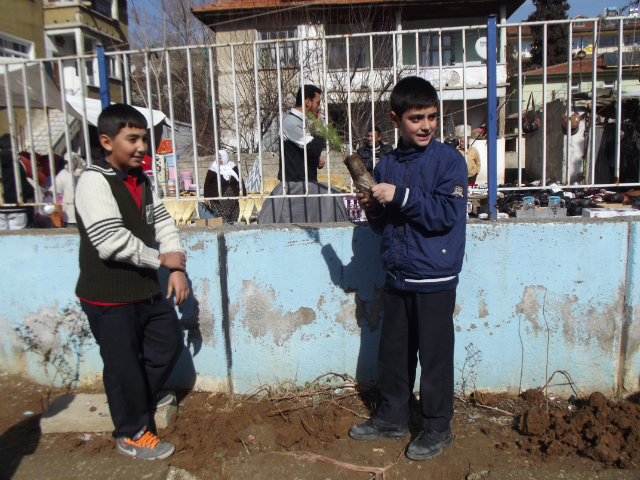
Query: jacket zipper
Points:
[404, 180]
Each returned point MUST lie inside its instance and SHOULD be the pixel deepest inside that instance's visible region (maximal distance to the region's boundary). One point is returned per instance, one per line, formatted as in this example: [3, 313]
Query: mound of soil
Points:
[227, 425]
[535, 396]
[603, 430]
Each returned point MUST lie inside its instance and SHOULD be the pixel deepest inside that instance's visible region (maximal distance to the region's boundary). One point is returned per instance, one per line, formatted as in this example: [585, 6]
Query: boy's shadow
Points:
[363, 276]
[183, 376]
[19, 441]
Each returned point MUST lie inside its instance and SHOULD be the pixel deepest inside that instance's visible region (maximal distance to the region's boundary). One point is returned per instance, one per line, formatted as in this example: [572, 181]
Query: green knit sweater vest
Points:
[109, 281]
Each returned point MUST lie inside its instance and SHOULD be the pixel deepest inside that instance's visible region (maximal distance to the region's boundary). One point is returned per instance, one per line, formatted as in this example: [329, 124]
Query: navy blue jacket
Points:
[423, 228]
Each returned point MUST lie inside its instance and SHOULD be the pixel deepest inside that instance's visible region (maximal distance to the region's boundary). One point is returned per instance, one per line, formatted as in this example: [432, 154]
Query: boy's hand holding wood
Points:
[178, 284]
[382, 192]
[173, 261]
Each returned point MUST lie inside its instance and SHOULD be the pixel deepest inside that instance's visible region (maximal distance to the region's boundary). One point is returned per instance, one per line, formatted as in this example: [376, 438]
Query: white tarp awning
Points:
[34, 86]
[631, 94]
[94, 107]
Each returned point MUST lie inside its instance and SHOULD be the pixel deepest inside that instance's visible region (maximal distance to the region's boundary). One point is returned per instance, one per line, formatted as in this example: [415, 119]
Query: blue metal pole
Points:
[492, 115]
[103, 74]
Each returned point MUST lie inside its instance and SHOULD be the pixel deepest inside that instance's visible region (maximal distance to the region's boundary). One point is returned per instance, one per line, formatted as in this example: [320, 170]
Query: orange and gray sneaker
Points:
[144, 445]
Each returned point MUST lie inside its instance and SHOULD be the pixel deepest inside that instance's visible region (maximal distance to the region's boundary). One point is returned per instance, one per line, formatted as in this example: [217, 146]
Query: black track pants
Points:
[417, 325]
[139, 344]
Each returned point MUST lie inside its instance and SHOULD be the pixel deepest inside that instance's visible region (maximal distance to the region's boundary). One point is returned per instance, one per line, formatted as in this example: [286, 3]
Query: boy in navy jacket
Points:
[420, 211]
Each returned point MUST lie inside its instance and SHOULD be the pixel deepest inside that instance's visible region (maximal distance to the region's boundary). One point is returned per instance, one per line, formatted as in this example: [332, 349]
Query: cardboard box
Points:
[609, 212]
[209, 222]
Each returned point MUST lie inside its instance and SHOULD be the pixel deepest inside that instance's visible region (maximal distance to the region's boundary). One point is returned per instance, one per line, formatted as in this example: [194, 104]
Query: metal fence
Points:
[250, 83]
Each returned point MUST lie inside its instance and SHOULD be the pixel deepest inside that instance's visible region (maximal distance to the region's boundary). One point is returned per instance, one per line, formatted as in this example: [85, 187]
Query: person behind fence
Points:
[64, 186]
[15, 217]
[296, 137]
[229, 175]
[381, 148]
[420, 211]
[473, 160]
[119, 218]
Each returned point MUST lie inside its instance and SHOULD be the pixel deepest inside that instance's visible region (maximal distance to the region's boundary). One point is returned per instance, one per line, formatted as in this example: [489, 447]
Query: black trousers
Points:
[417, 324]
[139, 344]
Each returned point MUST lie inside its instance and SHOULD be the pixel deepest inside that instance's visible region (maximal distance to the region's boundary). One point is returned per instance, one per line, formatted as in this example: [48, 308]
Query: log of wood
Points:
[361, 177]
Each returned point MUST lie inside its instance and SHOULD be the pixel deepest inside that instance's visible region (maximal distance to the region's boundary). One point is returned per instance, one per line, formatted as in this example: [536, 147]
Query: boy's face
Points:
[127, 149]
[417, 126]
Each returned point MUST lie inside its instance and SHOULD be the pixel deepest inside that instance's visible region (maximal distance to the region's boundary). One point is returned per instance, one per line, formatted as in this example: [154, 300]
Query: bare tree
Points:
[234, 90]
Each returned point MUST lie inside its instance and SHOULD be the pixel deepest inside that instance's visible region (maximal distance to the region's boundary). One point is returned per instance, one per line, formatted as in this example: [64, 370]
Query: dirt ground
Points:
[302, 434]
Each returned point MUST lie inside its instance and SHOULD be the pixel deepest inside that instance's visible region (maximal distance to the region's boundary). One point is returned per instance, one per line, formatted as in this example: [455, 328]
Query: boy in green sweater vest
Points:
[119, 217]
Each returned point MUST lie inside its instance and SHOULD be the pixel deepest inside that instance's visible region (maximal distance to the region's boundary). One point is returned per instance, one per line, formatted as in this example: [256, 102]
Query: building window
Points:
[11, 47]
[103, 7]
[338, 55]
[429, 54]
[383, 51]
[267, 51]
[632, 39]
[575, 86]
[112, 65]
[608, 41]
[609, 84]
[580, 43]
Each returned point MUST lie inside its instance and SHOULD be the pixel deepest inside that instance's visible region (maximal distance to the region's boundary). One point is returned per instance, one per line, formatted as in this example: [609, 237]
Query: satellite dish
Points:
[481, 47]
[581, 54]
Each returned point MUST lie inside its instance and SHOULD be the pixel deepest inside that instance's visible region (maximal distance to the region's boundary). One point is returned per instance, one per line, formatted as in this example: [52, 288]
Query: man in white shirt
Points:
[297, 139]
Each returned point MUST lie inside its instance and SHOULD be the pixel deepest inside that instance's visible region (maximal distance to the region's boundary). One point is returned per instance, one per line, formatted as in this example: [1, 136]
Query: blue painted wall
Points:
[293, 302]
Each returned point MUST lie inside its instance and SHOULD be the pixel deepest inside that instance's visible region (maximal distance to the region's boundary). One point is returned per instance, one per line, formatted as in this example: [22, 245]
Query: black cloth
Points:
[229, 210]
[110, 281]
[303, 209]
[9, 183]
[417, 323]
[211, 184]
[140, 344]
[294, 160]
[366, 153]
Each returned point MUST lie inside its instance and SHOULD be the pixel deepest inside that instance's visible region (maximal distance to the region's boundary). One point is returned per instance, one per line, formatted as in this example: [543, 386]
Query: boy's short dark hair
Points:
[118, 116]
[309, 93]
[412, 92]
[377, 129]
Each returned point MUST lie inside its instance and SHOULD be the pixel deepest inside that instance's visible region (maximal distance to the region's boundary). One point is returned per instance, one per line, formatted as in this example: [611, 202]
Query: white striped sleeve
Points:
[166, 231]
[102, 220]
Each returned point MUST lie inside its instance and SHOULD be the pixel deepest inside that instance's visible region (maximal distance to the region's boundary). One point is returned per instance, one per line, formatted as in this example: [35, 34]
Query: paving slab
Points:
[89, 413]
[96, 467]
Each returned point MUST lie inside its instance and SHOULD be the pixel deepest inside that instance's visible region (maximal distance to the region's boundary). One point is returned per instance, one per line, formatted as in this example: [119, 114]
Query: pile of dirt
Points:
[604, 430]
[227, 425]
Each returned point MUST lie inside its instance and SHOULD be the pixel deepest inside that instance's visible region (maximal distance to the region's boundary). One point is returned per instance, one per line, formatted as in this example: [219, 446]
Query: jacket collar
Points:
[123, 176]
[407, 154]
[296, 112]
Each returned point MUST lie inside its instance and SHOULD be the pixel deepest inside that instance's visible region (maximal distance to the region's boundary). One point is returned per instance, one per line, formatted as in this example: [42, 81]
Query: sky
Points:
[589, 8]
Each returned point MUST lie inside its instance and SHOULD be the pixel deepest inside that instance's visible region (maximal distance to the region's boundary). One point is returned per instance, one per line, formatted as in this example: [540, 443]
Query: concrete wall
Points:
[270, 164]
[294, 302]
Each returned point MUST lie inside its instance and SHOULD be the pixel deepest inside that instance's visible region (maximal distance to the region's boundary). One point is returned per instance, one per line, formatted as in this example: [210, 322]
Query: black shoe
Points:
[376, 429]
[429, 444]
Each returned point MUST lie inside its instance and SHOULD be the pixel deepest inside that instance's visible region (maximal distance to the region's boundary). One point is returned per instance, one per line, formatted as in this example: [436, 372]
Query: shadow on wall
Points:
[183, 376]
[364, 278]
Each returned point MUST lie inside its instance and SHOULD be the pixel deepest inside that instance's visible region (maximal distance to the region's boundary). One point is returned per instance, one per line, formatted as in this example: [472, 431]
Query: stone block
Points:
[163, 415]
[543, 212]
[89, 413]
